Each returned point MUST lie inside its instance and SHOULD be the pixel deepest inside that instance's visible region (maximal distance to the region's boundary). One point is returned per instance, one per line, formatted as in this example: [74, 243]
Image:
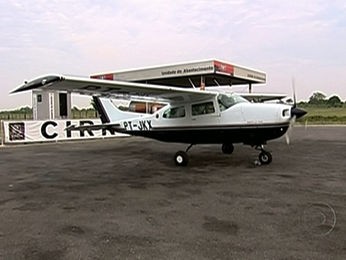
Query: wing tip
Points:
[37, 83]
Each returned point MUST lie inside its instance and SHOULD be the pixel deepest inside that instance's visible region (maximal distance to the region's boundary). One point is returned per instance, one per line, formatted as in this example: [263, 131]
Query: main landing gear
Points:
[181, 158]
[264, 156]
[227, 148]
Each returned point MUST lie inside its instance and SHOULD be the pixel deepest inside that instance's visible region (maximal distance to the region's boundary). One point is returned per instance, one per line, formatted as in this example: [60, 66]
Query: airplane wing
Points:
[113, 88]
[262, 97]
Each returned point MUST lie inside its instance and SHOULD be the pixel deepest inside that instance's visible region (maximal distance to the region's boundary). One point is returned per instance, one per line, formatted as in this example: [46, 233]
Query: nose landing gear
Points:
[264, 156]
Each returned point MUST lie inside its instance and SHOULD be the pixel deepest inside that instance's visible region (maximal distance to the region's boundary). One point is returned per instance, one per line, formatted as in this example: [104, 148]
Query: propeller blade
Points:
[289, 130]
[293, 120]
[294, 94]
[287, 137]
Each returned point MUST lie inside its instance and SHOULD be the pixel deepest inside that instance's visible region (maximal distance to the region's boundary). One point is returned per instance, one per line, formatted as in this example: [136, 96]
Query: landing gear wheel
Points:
[265, 157]
[227, 148]
[181, 158]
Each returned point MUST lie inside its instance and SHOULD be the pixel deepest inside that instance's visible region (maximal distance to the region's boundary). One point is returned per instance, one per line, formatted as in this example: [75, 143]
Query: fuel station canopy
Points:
[210, 72]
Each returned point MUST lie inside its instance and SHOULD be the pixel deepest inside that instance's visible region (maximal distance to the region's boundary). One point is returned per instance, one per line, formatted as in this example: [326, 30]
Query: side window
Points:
[174, 112]
[203, 108]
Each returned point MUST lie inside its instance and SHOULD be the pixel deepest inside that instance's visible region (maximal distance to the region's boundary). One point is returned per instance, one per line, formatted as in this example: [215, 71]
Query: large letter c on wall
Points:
[44, 130]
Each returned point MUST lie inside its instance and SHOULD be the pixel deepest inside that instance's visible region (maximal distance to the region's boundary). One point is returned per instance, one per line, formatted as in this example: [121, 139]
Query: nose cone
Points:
[297, 112]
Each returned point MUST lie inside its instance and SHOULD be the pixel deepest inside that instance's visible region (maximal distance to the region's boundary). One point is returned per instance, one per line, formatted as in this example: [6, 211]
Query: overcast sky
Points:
[300, 39]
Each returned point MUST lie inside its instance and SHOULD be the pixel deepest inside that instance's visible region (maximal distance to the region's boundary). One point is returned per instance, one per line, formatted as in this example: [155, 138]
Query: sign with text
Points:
[52, 130]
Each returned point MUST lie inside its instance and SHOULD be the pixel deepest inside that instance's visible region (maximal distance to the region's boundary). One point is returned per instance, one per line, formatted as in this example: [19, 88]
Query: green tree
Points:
[24, 110]
[75, 109]
[317, 98]
[334, 101]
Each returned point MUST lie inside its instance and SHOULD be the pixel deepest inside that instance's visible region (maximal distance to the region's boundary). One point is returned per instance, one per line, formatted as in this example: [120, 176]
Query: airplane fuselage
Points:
[208, 121]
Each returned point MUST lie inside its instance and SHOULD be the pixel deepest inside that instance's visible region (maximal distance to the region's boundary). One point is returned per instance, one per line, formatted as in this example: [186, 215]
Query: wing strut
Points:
[100, 109]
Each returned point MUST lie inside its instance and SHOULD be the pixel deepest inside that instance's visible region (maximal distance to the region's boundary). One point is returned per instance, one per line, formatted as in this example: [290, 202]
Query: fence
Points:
[15, 116]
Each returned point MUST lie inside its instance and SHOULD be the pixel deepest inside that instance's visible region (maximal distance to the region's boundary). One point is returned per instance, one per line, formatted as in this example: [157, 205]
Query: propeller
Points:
[295, 112]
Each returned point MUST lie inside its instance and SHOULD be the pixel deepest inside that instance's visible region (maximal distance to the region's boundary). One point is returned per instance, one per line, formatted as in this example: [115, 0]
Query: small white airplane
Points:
[190, 116]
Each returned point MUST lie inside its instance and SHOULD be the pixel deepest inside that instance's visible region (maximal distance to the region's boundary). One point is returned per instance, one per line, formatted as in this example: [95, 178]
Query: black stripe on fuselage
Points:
[207, 127]
[247, 134]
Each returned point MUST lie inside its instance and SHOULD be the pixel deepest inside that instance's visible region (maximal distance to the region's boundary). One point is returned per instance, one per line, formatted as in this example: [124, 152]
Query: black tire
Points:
[227, 148]
[265, 157]
[181, 158]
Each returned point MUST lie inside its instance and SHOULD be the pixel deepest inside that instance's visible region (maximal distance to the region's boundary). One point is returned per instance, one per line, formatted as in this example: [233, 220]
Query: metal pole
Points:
[2, 132]
[202, 85]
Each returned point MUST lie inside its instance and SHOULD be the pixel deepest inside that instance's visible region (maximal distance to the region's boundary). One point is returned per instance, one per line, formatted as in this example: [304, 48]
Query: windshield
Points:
[227, 100]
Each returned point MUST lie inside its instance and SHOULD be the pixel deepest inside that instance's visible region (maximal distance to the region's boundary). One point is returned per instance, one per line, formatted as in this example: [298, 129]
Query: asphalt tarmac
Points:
[125, 199]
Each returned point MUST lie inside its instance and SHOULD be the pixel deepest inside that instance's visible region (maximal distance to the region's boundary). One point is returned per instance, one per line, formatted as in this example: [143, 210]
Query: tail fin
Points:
[109, 112]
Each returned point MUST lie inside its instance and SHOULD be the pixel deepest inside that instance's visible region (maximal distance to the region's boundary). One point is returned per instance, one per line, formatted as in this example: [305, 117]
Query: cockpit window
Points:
[226, 101]
[174, 112]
